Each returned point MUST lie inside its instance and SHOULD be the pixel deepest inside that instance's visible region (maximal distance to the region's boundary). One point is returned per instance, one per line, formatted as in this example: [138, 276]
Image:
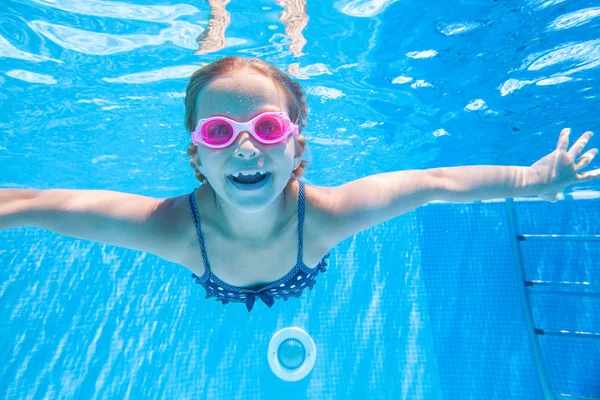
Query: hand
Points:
[558, 170]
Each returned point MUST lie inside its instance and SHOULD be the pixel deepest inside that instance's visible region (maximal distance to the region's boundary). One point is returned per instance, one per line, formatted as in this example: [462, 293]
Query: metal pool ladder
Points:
[547, 287]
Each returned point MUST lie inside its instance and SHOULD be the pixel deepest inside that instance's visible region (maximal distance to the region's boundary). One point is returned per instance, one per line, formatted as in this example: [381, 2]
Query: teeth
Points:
[249, 173]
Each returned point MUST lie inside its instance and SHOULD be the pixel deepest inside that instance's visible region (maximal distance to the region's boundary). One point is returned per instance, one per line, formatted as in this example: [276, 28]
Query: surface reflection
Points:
[213, 37]
[293, 17]
[114, 9]
[9, 51]
[179, 33]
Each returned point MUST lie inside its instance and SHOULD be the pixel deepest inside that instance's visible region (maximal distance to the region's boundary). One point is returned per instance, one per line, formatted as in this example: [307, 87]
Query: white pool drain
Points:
[292, 354]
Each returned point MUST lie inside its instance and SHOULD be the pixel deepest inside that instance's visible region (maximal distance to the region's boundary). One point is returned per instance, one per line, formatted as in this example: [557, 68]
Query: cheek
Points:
[283, 154]
[197, 158]
[207, 157]
[290, 150]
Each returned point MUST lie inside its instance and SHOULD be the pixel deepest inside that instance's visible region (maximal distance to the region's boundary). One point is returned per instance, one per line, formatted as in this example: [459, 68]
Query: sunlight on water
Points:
[115, 9]
[363, 8]
[31, 77]
[583, 56]
[574, 19]
[10, 51]
[180, 33]
[182, 71]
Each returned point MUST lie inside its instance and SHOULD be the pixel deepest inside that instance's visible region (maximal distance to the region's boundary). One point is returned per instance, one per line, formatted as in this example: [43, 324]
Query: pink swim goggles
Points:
[220, 132]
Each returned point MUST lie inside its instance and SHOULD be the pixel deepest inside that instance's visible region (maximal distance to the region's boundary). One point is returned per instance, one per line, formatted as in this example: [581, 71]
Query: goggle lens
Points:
[217, 132]
[269, 128]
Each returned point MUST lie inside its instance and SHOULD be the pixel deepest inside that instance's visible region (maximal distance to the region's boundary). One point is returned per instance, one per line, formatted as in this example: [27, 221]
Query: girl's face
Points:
[241, 96]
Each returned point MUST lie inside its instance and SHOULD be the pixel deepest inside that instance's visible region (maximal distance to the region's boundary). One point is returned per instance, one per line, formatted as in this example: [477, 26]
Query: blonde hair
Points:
[297, 107]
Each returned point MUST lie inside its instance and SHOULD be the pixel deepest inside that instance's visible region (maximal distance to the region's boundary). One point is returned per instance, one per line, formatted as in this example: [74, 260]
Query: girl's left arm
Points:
[366, 202]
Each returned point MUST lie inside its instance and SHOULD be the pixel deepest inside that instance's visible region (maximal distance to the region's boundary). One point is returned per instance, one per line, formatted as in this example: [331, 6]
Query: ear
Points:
[297, 161]
[195, 162]
[298, 154]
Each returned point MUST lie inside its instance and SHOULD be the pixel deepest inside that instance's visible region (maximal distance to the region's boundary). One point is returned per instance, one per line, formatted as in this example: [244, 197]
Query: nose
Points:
[246, 148]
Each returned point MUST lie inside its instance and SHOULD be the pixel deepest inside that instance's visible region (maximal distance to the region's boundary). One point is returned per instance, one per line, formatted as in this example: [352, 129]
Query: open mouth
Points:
[250, 179]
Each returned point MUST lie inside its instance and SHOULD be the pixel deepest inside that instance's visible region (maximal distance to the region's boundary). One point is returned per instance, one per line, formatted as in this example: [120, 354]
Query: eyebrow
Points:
[261, 110]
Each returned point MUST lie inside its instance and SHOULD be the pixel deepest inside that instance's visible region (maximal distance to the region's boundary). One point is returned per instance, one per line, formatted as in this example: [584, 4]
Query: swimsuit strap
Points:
[192, 203]
[195, 215]
[300, 220]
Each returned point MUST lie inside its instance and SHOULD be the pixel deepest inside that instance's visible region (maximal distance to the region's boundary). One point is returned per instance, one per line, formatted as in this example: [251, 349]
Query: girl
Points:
[252, 230]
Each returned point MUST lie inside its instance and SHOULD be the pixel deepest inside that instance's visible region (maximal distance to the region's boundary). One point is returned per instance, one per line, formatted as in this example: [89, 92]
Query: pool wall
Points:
[425, 306]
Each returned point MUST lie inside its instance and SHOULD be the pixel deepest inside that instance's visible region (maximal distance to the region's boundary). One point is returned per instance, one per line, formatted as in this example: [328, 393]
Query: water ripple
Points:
[441, 132]
[10, 51]
[512, 85]
[422, 54]
[277, 48]
[420, 83]
[178, 72]
[315, 70]
[363, 8]
[573, 19]
[181, 34]
[542, 4]
[582, 56]
[586, 54]
[475, 105]
[400, 80]
[458, 28]
[324, 93]
[553, 80]
[113, 9]
[32, 77]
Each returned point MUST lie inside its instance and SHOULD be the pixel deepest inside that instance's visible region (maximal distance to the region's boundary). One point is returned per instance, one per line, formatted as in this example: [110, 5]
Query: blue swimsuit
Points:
[291, 285]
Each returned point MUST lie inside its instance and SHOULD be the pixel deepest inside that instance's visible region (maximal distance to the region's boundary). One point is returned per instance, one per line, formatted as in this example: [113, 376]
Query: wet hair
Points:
[296, 99]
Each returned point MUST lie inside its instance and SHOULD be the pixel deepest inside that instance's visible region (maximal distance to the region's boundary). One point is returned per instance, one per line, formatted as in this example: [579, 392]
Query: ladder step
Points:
[560, 238]
[585, 289]
[565, 333]
[575, 397]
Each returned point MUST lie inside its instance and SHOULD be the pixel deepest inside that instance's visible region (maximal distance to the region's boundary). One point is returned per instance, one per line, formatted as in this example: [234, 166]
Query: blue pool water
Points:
[426, 306]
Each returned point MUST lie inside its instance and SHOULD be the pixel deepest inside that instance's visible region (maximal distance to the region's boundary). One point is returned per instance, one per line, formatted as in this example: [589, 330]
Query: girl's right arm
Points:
[120, 219]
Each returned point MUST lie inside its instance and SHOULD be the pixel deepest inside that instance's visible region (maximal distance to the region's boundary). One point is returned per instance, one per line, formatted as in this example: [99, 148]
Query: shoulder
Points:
[319, 213]
[180, 234]
[319, 198]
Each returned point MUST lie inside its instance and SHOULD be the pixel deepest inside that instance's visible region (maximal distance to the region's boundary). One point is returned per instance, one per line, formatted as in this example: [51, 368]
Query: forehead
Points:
[240, 95]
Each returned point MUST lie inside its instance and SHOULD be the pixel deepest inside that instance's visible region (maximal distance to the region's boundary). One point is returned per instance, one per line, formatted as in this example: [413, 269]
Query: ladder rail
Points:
[524, 295]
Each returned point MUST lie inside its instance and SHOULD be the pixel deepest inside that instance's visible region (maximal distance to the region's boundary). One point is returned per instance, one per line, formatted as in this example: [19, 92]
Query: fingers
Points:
[586, 158]
[563, 139]
[579, 145]
[589, 176]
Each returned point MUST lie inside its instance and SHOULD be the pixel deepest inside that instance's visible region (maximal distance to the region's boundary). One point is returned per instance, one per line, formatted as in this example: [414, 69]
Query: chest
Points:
[253, 265]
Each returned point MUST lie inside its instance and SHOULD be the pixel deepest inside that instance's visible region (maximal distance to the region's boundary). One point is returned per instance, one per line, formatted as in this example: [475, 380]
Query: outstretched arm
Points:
[120, 219]
[545, 178]
[366, 202]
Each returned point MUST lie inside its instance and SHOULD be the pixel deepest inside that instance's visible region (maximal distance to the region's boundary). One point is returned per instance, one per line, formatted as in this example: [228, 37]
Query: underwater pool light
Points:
[292, 354]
